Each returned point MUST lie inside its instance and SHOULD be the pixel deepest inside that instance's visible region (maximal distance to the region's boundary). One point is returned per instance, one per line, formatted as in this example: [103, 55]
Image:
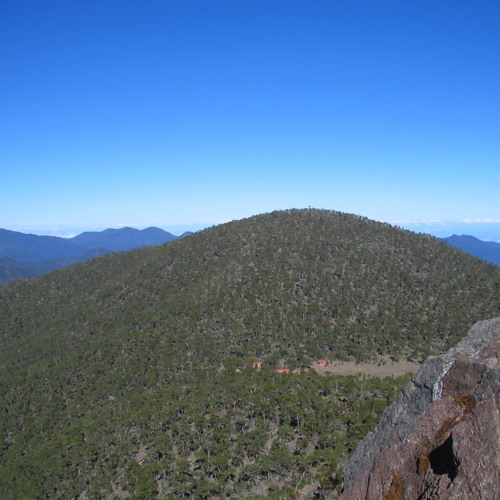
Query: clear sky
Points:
[186, 113]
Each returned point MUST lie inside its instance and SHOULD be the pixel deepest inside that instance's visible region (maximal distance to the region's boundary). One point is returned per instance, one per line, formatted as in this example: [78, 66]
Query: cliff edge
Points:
[441, 438]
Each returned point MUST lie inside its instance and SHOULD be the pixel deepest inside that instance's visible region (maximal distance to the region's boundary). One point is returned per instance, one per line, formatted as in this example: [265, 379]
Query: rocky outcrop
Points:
[441, 438]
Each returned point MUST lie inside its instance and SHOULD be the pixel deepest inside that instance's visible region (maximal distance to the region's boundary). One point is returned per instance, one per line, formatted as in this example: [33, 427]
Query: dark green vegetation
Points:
[147, 429]
[119, 373]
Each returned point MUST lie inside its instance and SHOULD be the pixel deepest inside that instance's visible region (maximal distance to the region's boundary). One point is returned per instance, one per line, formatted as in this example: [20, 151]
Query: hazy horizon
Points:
[484, 230]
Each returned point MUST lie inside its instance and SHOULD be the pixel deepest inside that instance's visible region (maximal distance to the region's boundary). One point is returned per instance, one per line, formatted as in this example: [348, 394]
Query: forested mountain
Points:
[25, 255]
[127, 373]
[486, 250]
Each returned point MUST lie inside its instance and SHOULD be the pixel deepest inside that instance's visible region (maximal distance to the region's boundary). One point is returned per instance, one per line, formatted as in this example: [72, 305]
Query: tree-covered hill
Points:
[119, 374]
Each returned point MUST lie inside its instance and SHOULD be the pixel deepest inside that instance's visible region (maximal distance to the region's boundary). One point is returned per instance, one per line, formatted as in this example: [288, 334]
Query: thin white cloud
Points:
[486, 220]
[66, 235]
[481, 221]
[412, 222]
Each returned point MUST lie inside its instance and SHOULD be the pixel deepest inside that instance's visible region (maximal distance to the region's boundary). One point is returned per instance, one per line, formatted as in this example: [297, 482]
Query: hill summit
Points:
[290, 284]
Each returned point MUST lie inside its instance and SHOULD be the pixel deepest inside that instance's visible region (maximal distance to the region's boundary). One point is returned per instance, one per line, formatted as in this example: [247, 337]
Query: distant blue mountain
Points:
[13, 270]
[486, 250]
[31, 248]
[120, 240]
[26, 255]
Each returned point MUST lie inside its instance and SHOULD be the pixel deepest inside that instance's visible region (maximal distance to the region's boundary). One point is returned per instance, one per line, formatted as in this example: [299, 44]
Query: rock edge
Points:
[440, 439]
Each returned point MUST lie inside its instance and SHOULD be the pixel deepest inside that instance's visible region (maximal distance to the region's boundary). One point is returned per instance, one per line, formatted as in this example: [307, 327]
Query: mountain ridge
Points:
[126, 238]
[31, 255]
[24, 255]
[486, 250]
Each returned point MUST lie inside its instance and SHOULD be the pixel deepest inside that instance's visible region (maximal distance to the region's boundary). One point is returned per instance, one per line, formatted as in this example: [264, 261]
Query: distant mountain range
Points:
[486, 250]
[27, 255]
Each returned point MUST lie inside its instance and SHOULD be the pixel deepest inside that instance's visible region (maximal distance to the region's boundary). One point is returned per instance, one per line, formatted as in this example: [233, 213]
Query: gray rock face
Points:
[441, 438]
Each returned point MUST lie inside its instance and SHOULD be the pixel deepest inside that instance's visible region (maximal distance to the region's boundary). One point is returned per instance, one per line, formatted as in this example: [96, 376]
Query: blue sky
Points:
[186, 113]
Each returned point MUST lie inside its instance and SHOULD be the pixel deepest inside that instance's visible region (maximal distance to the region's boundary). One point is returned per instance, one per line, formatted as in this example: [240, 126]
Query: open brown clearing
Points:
[385, 369]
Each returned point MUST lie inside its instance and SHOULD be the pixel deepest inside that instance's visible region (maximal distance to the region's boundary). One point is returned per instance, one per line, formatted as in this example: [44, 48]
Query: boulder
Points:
[441, 438]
